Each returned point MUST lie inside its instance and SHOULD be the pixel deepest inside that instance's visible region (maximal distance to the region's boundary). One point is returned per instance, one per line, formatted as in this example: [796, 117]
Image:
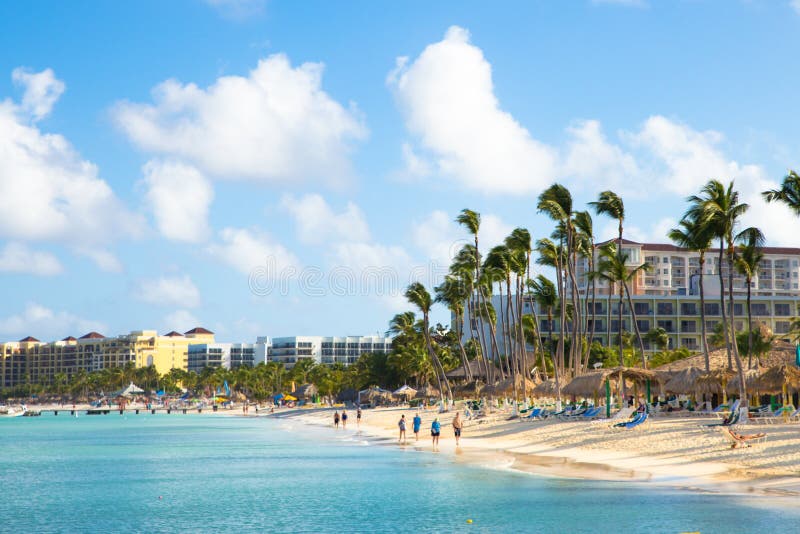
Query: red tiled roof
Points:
[198, 330]
[93, 335]
[665, 247]
[29, 339]
[69, 338]
[174, 334]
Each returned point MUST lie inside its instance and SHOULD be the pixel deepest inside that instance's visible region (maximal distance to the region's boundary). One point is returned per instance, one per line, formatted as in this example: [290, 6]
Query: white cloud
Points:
[238, 9]
[168, 291]
[447, 97]
[439, 238]
[42, 90]
[244, 250]
[656, 233]
[46, 324]
[103, 259]
[179, 197]
[276, 125]
[180, 320]
[795, 4]
[317, 223]
[19, 258]
[47, 192]
[589, 158]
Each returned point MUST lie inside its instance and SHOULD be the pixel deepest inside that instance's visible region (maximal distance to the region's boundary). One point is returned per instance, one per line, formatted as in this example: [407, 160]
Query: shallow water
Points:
[175, 473]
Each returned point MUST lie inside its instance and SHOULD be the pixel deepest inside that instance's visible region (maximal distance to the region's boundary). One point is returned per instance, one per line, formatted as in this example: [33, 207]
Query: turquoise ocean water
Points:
[194, 473]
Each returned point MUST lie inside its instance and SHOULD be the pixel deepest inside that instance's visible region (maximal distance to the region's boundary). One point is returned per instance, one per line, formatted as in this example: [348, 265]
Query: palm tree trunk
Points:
[636, 326]
[462, 350]
[739, 366]
[703, 312]
[749, 328]
[435, 359]
[538, 335]
[722, 304]
[619, 325]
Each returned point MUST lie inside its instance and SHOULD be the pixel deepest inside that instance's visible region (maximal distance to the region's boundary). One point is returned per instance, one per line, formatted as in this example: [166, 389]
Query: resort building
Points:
[328, 350]
[668, 296]
[226, 355]
[32, 361]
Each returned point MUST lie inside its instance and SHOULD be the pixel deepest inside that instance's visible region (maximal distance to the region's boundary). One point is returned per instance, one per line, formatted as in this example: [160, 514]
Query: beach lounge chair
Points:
[535, 413]
[573, 414]
[743, 440]
[778, 416]
[622, 415]
[640, 418]
[591, 413]
[731, 420]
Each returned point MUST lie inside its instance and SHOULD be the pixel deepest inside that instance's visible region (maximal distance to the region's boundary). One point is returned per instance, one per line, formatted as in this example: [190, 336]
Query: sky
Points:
[276, 167]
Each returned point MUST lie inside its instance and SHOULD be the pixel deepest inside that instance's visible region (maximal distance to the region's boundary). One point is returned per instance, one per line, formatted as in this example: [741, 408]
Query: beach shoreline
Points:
[699, 459]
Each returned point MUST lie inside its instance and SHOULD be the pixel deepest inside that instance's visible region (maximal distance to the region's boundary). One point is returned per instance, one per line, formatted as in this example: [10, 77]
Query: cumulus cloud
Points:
[589, 158]
[447, 97]
[795, 4]
[247, 249]
[179, 197]
[46, 324]
[439, 238]
[105, 260]
[275, 125]
[168, 291]
[42, 90]
[47, 192]
[316, 222]
[19, 258]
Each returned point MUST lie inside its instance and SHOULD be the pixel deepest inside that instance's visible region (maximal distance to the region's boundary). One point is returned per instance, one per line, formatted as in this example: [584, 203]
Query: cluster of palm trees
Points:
[714, 215]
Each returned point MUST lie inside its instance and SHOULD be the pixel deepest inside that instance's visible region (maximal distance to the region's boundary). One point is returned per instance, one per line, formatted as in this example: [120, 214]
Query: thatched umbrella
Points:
[779, 379]
[473, 388]
[505, 387]
[684, 382]
[545, 389]
[715, 382]
[407, 392]
[427, 392]
[460, 373]
[587, 385]
[306, 391]
[750, 380]
[373, 395]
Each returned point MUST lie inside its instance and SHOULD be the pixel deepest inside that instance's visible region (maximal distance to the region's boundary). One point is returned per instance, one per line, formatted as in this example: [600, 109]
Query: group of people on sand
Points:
[436, 429]
[343, 418]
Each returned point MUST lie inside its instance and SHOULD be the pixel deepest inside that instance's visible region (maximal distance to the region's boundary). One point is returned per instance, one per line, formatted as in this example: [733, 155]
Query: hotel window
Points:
[782, 309]
[664, 308]
[712, 308]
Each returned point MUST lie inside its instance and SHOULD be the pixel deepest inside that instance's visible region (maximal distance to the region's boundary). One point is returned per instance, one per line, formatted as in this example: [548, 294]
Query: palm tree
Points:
[720, 208]
[794, 330]
[694, 235]
[613, 269]
[585, 239]
[609, 203]
[747, 262]
[658, 337]
[453, 293]
[545, 296]
[788, 194]
[417, 295]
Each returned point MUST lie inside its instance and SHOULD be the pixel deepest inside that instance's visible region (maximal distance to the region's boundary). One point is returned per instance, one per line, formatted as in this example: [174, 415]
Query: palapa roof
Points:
[684, 382]
[475, 367]
[470, 388]
[305, 391]
[546, 389]
[773, 379]
[426, 392]
[781, 352]
[507, 386]
[587, 385]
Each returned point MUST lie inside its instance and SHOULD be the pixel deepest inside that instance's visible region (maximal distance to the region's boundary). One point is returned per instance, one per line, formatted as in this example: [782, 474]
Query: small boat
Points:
[32, 413]
[10, 411]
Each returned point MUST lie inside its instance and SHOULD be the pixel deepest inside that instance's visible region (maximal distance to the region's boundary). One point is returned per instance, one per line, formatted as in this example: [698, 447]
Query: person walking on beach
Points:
[402, 426]
[458, 424]
[344, 418]
[436, 429]
[336, 418]
[358, 417]
[417, 425]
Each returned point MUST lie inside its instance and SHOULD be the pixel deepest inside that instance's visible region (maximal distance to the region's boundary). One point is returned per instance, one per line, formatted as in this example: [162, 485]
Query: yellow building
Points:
[32, 361]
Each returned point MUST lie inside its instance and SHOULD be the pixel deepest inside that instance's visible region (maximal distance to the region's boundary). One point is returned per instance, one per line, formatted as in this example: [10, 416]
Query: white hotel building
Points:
[328, 350]
[668, 295]
[227, 355]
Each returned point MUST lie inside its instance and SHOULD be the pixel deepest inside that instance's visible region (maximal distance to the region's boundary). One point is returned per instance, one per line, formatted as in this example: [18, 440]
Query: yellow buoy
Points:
[469, 521]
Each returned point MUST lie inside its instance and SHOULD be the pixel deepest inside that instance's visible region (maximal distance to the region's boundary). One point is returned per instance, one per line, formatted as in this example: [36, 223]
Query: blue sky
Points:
[167, 164]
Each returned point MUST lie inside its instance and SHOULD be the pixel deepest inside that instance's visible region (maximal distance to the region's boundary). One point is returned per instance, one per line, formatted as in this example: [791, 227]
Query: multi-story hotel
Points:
[328, 350]
[227, 355]
[32, 361]
[668, 295]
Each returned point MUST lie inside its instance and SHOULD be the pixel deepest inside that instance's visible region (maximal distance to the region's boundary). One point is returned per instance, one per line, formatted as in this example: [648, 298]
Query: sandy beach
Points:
[668, 450]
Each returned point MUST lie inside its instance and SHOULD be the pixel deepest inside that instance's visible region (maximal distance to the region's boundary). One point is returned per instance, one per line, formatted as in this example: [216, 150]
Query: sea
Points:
[198, 473]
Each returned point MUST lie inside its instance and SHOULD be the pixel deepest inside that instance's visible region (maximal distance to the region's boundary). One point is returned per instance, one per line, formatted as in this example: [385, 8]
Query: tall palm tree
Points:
[613, 268]
[747, 262]
[722, 210]
[609, 203]
[520, 247]
[552, 255]
[788, 194]
[453, 293]
[417, 295]
[584, 226]
[545, 296]
[694, 235]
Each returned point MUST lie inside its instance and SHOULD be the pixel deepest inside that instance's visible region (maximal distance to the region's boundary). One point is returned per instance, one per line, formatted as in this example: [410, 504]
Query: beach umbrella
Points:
[289, 398]
[506, 387]
[460, 373]
[545, 389]
[405, 391]
[684, 382]
[715, 382]
[470, 388]
[779, 379]
[587, 385]
[427, 392]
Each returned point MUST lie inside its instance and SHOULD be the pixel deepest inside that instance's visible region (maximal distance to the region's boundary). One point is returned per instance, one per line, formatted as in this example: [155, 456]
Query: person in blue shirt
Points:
[436, 429]
[417, 425]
